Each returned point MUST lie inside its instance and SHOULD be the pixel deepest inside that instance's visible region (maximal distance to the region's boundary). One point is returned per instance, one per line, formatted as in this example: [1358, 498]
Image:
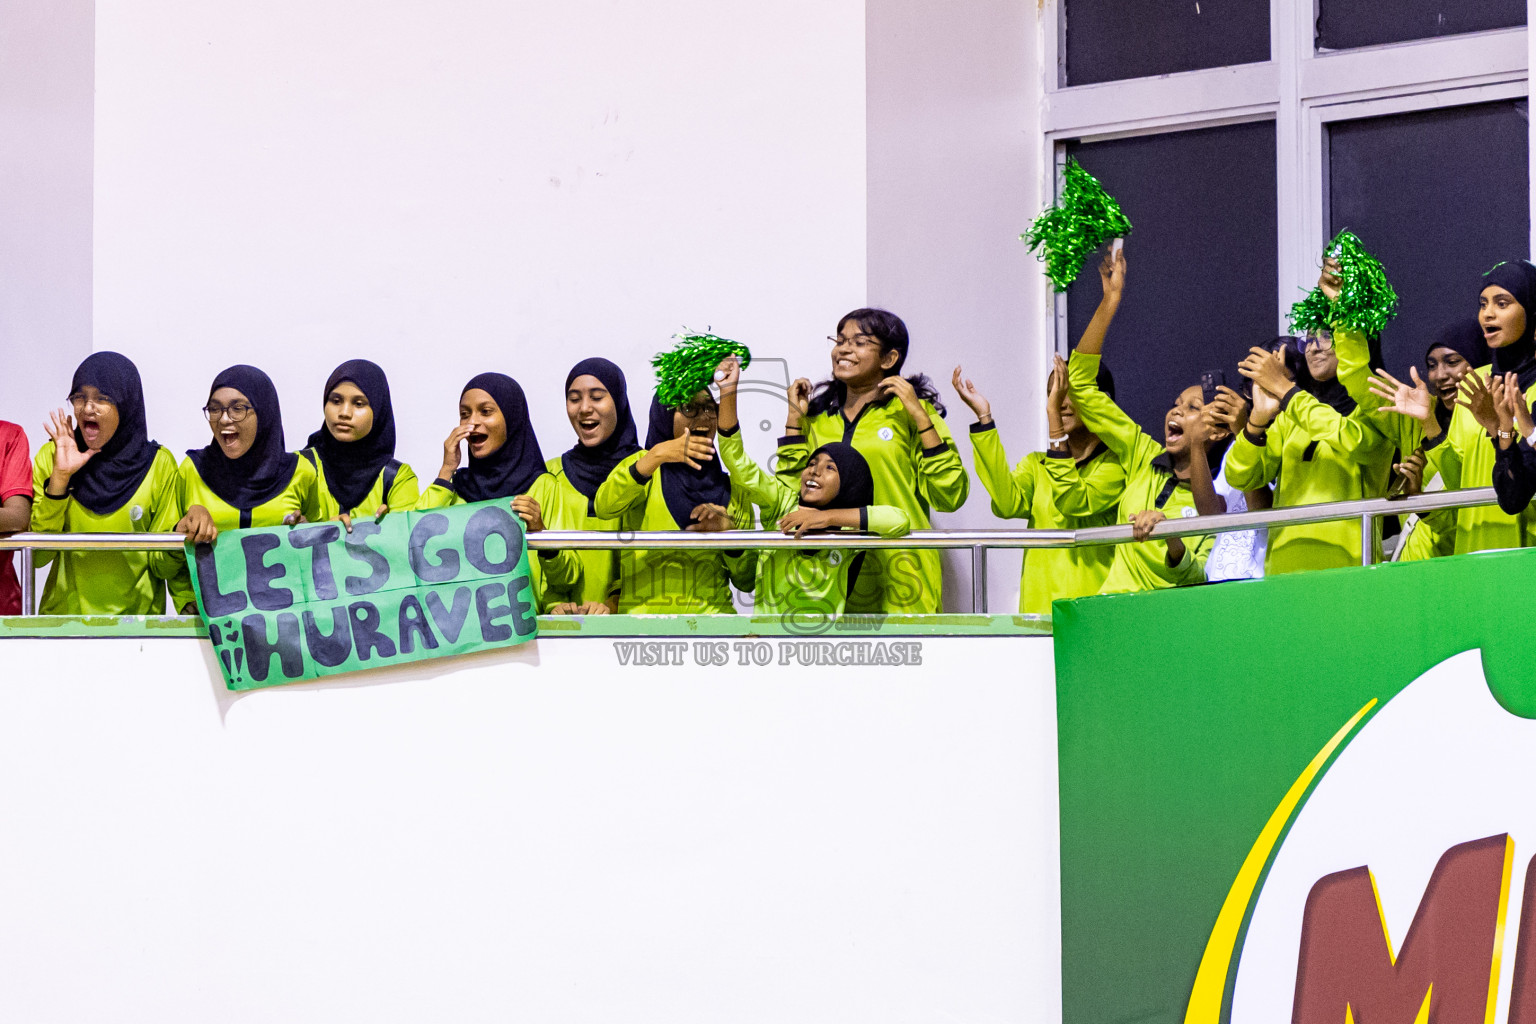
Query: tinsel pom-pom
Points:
[1366, 301]
[690, 367]
[1084, 218]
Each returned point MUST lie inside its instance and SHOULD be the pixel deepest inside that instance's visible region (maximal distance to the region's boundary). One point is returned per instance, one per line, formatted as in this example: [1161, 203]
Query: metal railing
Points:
[1369, 511]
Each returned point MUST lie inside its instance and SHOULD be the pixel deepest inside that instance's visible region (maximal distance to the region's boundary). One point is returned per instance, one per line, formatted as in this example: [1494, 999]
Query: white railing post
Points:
[28, 582]
[1368, 534]
[979, 579]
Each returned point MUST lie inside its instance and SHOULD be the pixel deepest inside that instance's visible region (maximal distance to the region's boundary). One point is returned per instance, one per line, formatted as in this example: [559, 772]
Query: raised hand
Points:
[905, 394]
[1329, 282]
[975, 399]
[1112, 274]
[452, 455]
[67, 456]
[1267, 370]
[1266, 407]
[1514, 398]
[1414, 402]
[799, 396]
[689, 449]
[1479, 401]
[728, 375]
[1228, 409]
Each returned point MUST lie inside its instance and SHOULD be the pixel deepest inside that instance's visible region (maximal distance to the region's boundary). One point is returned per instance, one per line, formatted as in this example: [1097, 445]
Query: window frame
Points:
[1300, 88]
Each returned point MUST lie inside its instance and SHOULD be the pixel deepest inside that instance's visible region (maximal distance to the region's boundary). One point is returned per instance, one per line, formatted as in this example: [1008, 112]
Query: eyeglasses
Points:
[696, 410]
[236, 412]
[856, 340]
[1322, 341]
[101, 402]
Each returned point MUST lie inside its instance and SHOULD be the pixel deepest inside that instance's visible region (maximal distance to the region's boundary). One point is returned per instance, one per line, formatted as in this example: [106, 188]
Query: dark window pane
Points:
[1108, 40]
[1438, 197]
[1202, 277]
[1346, 23]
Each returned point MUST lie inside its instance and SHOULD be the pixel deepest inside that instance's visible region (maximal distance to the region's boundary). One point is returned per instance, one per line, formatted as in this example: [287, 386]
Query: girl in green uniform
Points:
[1304, 434]
[1161, 480]
[597, 404]
[504, 462]
[676, 483]
[245, 477]
[807, 588]
[897, 424]
[1075, 483]
[100, 473]
[353, 452]
[1461, 452]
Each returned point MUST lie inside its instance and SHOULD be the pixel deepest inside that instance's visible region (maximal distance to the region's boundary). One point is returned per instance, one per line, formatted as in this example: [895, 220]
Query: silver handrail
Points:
[1369, 511]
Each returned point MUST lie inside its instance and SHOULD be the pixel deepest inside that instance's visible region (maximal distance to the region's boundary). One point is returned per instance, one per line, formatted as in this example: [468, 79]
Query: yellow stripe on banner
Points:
[1211, 980]
[1498, 931]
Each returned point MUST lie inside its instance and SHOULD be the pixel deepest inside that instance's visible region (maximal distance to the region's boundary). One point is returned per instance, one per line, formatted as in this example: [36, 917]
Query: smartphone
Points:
[1210, 380]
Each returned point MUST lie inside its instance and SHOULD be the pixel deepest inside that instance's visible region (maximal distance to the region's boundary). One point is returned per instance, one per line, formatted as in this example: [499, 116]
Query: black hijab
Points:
[1465, 338]
[511, 469]
[856, 486]
[1518, 278]
[106, 482]
[262, 473]
[684, 487]
[586, 468]
[351, 467]
[1330, 392]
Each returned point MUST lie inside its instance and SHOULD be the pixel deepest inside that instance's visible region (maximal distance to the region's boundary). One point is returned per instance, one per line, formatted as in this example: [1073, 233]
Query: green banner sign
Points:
[284, 604]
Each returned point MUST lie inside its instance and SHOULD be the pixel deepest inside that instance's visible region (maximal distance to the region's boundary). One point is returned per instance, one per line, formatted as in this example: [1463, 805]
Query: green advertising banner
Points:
[283, 604]
[1302, 799]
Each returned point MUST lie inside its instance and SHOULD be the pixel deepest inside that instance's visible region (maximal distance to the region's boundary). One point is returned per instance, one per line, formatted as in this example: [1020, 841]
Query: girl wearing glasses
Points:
[245, 476]
[597, 404]
[676, 483]
[504, 462]
[897, 424]
[100, 473]
[353, 452]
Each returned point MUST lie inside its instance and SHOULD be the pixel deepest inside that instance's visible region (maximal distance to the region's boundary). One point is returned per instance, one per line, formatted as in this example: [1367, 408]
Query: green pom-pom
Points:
[1366, 301]
[1084, 218]
[690, 367]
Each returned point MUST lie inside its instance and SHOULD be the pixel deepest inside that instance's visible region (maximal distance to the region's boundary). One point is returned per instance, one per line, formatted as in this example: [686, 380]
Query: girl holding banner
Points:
[504, 462]
[353, 452]
[597, 404]
[676, 483]
[244, 477]
[100, 473]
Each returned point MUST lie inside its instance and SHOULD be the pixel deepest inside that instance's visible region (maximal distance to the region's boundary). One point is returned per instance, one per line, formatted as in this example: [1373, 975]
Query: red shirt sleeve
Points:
[15, 461]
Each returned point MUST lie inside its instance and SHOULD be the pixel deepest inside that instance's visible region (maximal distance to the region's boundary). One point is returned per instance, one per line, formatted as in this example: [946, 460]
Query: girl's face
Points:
[235, 436]
[1184, 414]
[700, 414]
[1322, 358]
[820, 482]
[96, 414]
[591, 410]
[1069, 420]
[1503, 318]
[856, 357]
[348, 415]
[488, 427]
[1444, 369]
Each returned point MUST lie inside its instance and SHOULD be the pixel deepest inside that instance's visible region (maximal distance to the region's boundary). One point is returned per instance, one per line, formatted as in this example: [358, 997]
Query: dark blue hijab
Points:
[262, 473]
[511, 469]
[587, 467]
[109, 479]
[856, 485]
[1518, 278]
[684, 487]
[351, 467]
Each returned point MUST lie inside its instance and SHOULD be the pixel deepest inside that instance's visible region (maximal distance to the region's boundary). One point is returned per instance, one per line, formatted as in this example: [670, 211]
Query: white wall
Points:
[451, 188]
[533, 835]
[45, 204]
[954, 177]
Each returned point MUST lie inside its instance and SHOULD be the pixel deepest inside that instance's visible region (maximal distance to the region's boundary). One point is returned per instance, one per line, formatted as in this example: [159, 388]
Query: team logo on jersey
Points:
[886, 433]
[1189, 513]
